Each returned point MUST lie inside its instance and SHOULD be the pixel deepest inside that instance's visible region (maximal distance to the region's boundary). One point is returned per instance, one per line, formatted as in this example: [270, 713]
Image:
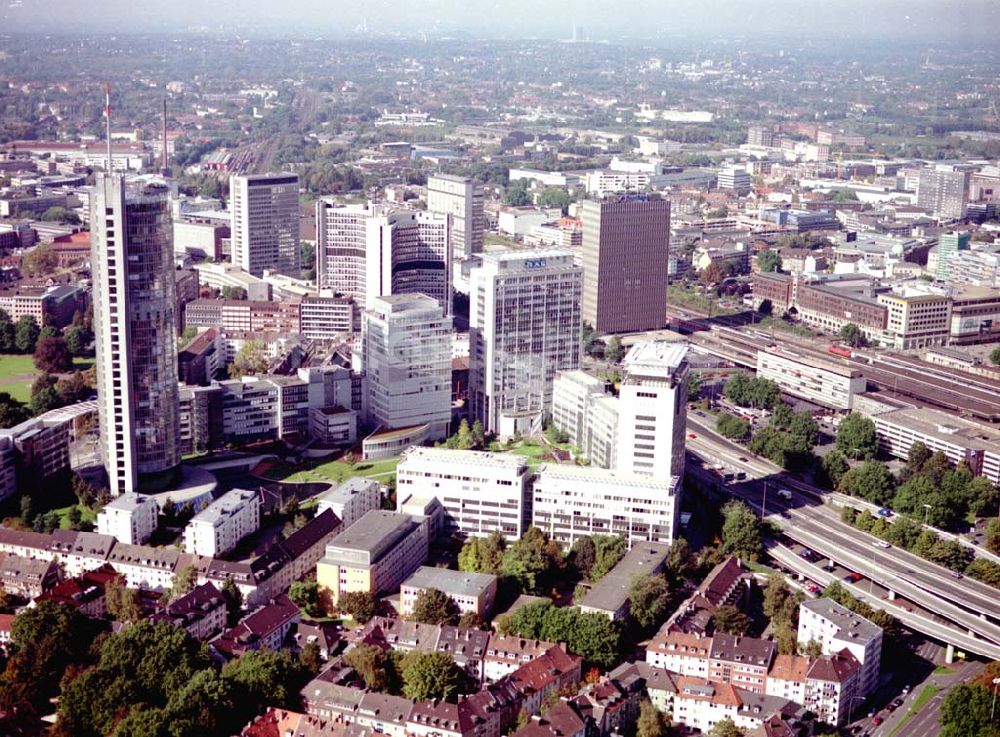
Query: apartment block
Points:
[220, 526]
[943, 191]
[130, 518]
[480, 492]
[352, 499]
[836, 628]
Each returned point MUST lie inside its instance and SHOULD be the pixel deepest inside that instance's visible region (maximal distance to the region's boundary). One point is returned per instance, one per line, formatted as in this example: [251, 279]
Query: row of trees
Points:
[416, 675]
[533, 562]
[151, 680]
[929, 486]
[789, 438]
[750, 391]
[590, 635]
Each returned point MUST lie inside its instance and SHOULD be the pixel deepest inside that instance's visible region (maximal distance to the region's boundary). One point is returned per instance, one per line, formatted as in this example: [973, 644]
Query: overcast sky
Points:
[974, 20]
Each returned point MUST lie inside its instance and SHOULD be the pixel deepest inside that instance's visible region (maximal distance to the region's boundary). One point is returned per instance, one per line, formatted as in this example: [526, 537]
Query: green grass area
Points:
[495, 239]
[16, 376]
[337, 471]
[87, 515]
[776, 323]
[18, 373]
[921, 701]
[695, 300]
[943, 670]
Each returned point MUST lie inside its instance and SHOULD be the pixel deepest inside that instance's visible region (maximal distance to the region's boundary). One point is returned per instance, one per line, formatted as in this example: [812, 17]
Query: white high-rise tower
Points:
[134, 301]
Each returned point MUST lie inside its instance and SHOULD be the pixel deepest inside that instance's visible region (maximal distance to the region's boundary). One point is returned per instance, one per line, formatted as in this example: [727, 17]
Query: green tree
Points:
[903, 532]
[483, 555]
[768, 260]
[765, 308]
[234, 600]
[613, 351]
[872, 480]
[608, 550]
[741, 531]
[856, 437]
[263, 678]
[73, 388]
[6, 333]
[26, 334]
[733, 427]
[916, 457]
[371, 663]
[12, 412]
[51, 356]
[123, 603]
[431, 676]
[725, 728]
[433, 606]
[360, 605]
[583, 554]
[478, 435]
[853, 336]
[995, 356]
[251, 360]
[993, 535]
[61, 215]
[651, 722]
[730, 620]
[532, 560]
[185, 580]
[306, 594]
[527, 621]
[966, 712]
[981, 496]
[77, 339]
[984, 570]
[833, 466]
[554, 197]
[44, 395]
[40, 261]
[516, 194]
[649, 597]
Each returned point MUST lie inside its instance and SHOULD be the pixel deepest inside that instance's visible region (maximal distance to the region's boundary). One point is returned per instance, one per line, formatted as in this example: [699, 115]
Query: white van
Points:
[785, 494]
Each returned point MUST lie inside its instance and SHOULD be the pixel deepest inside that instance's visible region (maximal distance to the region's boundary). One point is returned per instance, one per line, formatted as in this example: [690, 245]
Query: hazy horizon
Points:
[892, 20]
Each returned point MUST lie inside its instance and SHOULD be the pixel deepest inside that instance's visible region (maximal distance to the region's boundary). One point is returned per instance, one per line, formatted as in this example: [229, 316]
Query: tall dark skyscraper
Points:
[626, 241]
[134, 303]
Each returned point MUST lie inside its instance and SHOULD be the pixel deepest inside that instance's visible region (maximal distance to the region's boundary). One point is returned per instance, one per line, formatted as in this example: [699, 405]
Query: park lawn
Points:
[926, 695]
[337, 471]
[943, 670]
[17, 373]
[87, 514]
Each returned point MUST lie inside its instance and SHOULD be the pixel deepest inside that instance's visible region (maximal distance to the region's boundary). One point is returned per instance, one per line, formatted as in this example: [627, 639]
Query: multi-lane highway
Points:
[964, 603]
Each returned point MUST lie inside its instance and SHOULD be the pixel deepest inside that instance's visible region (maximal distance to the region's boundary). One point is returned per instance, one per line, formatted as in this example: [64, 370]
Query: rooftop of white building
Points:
[443, 457]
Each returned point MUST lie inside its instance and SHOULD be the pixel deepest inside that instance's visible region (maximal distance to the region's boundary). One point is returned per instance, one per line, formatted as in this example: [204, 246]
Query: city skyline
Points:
[893, 20]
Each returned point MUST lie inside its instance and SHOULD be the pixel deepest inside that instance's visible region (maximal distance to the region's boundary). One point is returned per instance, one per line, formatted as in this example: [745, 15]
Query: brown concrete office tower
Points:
[136, 336]
[626, 239]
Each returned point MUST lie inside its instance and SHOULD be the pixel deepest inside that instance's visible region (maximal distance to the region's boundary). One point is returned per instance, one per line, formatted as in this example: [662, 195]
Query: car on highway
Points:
[884, 512]
[881, 544]
[956, 574]
[741, 475]
[692, 436]
[896, 702]
[877, 719]
[807, 555]
[906, 689]
[853, 577]
[743, 459]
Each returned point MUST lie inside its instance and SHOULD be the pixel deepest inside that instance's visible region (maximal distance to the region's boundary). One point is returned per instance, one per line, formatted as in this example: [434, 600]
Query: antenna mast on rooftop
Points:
[107, 116]
[165, 169]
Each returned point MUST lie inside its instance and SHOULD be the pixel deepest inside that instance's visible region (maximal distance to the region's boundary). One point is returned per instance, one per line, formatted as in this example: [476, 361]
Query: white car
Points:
[881, 544]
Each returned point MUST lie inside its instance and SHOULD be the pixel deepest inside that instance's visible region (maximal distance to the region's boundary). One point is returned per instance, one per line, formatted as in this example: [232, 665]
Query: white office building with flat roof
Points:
[462, 200]
[524, 327]
[652, 410]
[472, 592]
[220, 526]
[406, 353]
[824, 382]
[569, 502]
[480, 492]
[129, 518]
[372, 250]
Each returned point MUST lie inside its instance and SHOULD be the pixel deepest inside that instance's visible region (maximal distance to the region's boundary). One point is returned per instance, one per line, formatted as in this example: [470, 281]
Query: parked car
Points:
[877, 720]
[897, 702]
